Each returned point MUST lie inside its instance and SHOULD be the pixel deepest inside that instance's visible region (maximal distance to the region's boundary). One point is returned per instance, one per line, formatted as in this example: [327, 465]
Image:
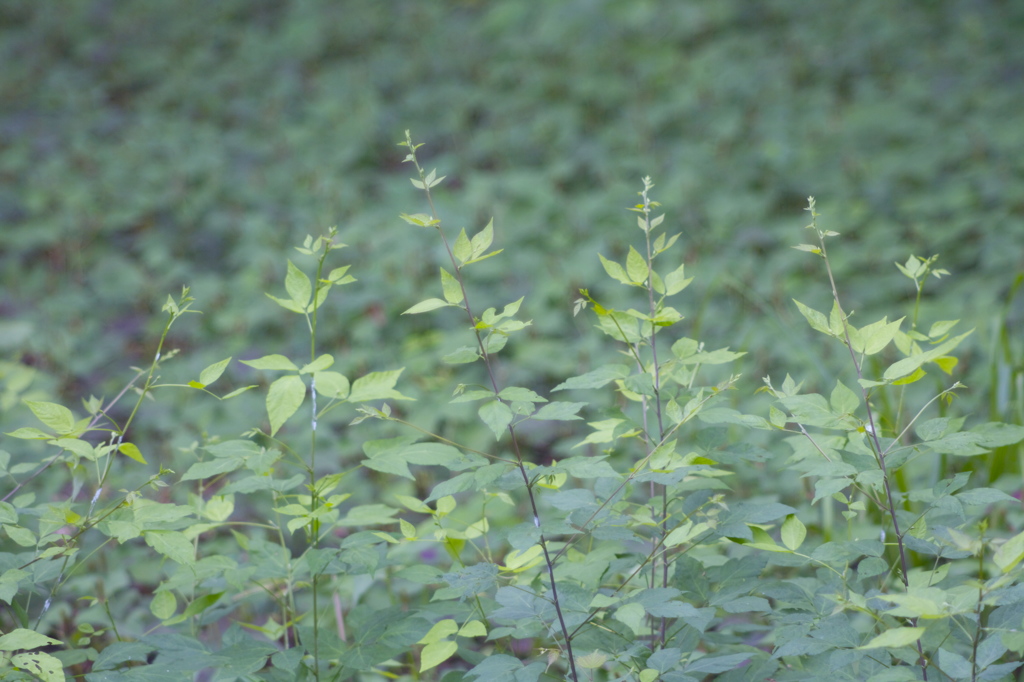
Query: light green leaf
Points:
[473, 628]
[560, 411]
[20, 535]
[1010, 553]
[894, 638]
[835, 321]
[271, 362]
[440, 630]
[131, 450]
[287, 304]
[30, 433]
[714, 357]
[213, 372]
[615, 271]
[426, 306]
[874, 337]
[940, 329]
[497, 415]
[200, 604]
[482, 241]
[437, 653]
[462, 355]
[451, 287]
[297, 284]
[908, 365]
[369, 515]
[462, 249]
[44, 666]
[420, 219]
[57, 417]
[22, 638]
[377, 386]
[321, 363]
[595, 379]
[817, 320]
[636, 266]
[331, 385]
[516, 393]
[676, 280]
[283, 399]
[219, 508]
[793, 532]
[843, 400]
[172, 544]
[633, 615]
[163, 604]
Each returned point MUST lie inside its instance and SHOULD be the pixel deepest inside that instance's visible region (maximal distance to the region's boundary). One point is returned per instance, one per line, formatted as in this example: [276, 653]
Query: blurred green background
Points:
[145, 146]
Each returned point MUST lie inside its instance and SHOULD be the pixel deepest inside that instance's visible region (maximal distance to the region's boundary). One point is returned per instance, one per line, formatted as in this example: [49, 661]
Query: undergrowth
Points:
[857, 529]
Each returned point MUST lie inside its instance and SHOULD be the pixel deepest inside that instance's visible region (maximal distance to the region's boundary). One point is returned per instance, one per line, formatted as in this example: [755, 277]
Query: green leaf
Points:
[213, 372]
[321, 363]
[817, 321]
[440, 630]
[287, 304]
[369, 515]
[451, 287]
[283, 399]
[200, 604]
[482, 241]
[714, 357]
[426, 306]
[173, 545]
[715, 664]
[30, 433]
[874, 337]
[473, 628]
[497, 415]
[20, 535]
[22, 638]
[636, 266]
[559, 411]
[462, 355]
[271, 362]
[131, 450]
[163, 604]
[516, 393]
[894, 638]
[462, 249]
[615, 271]
[940, 329]
[44, 666]
[57, 417]
[595, 378]
[676, 281]
[297, 284]
[843, 400]
[908, 365]
[377, 386]
[793, 532]
[331, 385]
[1010, 553]
[419, 219]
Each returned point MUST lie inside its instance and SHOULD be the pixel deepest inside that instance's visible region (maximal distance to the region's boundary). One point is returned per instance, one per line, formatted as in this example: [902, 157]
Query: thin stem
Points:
[873, 437]
[520, 463]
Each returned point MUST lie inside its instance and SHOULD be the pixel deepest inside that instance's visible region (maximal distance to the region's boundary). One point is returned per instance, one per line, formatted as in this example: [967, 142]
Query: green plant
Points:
[941, 617]
[381, 538]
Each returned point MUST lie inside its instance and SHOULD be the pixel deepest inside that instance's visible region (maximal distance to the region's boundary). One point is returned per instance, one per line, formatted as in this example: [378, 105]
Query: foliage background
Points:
[144, 146]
